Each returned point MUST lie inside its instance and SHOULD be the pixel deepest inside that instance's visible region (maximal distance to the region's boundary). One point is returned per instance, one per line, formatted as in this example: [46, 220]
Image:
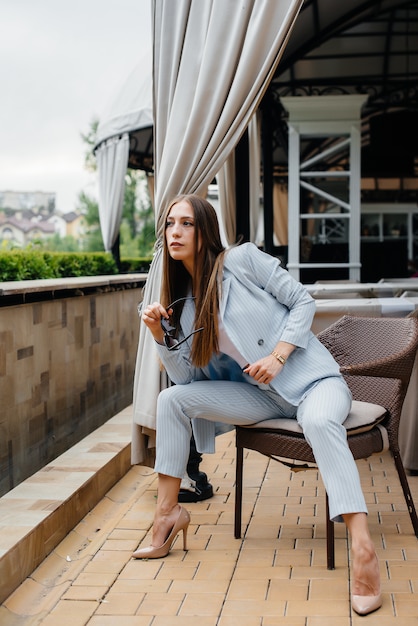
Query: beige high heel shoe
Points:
[363, 605]
[182, 523]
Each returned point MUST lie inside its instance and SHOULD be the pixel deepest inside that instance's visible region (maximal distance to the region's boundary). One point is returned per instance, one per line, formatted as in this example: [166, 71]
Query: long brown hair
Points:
[205, 284]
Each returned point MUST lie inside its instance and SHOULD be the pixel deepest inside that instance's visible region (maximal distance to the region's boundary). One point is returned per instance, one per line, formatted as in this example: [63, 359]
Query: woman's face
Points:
[180, 234]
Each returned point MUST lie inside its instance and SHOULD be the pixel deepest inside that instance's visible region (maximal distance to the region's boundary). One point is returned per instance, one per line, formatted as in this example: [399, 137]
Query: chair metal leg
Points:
[330, 537]
[238, 491]
[406, 491]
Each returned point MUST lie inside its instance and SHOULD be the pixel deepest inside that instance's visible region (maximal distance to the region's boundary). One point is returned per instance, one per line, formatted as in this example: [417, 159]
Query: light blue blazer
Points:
[260, 305]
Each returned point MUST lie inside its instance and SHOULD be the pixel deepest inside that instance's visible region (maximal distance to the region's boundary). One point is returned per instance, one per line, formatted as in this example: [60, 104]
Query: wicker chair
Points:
[376, 356]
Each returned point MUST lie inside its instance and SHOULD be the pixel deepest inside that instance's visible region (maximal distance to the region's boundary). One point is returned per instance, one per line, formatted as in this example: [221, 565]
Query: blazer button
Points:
[261, 342]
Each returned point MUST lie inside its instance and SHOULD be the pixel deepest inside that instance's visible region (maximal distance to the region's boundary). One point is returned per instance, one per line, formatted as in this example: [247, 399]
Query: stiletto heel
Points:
[182, 523]
[185, 537]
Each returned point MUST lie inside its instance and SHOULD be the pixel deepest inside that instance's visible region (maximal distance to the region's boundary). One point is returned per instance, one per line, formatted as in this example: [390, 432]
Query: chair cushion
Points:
[362, 417]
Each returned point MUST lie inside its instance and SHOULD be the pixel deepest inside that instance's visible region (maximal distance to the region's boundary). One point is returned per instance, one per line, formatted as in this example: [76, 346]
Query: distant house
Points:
[76, 225]
[21, 232]
[28, 216]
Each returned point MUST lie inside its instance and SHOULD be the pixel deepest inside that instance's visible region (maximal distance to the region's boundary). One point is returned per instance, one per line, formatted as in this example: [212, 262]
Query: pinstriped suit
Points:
[260, 305]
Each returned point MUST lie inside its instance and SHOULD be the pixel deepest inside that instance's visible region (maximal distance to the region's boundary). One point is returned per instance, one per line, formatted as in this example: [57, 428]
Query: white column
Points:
[325, 116]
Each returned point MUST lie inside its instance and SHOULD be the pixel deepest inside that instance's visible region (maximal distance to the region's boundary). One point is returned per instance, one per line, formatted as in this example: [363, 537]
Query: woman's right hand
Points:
[151, 316]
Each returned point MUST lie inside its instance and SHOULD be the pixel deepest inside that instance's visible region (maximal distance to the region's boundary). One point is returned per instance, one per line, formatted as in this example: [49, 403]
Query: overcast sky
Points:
[61, 63]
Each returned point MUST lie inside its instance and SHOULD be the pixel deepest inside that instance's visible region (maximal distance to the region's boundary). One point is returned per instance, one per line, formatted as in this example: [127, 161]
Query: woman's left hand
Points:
[264, 370]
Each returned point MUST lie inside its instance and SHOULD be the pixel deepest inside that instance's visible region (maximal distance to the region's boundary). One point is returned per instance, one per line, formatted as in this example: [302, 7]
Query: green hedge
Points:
[139, 264]
[36, 264]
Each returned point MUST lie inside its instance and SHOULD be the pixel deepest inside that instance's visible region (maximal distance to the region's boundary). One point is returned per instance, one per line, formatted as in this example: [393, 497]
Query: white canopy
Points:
[124, 136]
[131, 109]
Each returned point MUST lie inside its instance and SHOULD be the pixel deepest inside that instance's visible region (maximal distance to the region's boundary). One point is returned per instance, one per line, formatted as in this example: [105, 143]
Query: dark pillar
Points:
[116, 252]
[242, 188]
[267, 156]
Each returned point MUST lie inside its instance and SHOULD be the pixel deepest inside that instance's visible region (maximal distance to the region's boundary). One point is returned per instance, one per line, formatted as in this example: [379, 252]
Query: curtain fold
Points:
[227, 180]
[281, 214]
[254, 143]
[226, 194]
[213, 61]
[112, 162]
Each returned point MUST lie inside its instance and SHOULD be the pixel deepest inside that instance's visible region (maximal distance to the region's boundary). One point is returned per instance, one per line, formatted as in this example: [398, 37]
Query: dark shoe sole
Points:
[195, 496]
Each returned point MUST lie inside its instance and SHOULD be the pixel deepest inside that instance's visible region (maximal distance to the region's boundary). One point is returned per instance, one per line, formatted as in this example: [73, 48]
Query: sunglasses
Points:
[170, 340]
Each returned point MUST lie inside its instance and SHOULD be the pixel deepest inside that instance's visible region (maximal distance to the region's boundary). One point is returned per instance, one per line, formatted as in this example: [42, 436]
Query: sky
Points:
[61, 64]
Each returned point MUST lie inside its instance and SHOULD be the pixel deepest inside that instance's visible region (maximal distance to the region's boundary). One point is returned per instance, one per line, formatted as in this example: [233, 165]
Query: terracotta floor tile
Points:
[257, 558]
[330, 621]
[120, 604]
[122, 620]
[244, 620]
[184, 620]
[333, 608]
[376, 619]
[253, 608]
[71, 546]
[191, 587]
[202, 604]
[248, 572]
[288, 590]
[316, 572]
[138, 585]
[114, 545]
[161, 604]
[104, 561]
[172, 572]
[406, 605]
[244, 589]
[70, 613]
[213, 556]
[403, 570]
[126, 534]
[32, 598]
[89, 592]
[91, 579]
[284, 621]
[293, 557]
[397, 586]
[325, 589]
[54, 570]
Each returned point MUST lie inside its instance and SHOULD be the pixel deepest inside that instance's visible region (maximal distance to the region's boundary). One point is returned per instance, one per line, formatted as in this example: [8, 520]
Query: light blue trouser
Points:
[321, 414]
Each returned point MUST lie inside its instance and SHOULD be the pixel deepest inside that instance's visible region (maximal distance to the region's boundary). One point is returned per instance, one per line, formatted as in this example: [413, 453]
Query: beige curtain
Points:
[112, 162]
[280, 212]
[226, 184]
[254, 142]
[226, 190]
[213, 60]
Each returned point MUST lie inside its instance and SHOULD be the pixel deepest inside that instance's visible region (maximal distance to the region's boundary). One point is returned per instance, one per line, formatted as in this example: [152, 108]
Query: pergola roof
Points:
[358, 47]
[354, 44]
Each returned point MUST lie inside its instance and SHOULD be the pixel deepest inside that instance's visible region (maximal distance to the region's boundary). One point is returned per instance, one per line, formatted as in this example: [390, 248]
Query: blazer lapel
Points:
[187, 316]
[226, 283]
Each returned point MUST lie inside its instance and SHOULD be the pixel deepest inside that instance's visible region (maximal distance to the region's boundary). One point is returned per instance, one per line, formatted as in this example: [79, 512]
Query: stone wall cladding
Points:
[66, 367]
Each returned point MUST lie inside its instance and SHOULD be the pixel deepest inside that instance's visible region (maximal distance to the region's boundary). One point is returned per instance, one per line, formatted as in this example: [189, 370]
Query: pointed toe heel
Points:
[363, 605]
[182, 523]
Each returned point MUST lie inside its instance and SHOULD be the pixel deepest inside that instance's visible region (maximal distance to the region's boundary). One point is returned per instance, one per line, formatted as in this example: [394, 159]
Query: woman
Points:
[233, 332]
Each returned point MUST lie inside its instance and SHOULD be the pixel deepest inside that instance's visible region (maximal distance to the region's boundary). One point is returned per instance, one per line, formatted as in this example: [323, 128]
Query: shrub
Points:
[139, 264]
[36, 264]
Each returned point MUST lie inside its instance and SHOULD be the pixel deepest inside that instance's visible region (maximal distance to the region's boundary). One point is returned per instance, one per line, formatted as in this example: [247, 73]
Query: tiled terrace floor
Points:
[275, 575]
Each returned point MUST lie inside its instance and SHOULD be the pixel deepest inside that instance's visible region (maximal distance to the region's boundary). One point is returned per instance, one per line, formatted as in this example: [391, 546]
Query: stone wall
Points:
[66, 367]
